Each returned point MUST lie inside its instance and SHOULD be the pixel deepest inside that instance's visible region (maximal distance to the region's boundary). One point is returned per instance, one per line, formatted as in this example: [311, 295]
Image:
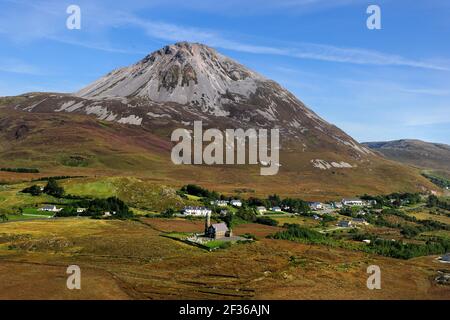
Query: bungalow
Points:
[196, 211]
[236, 203]
[81, 210]
[275, 209]
[316, 206]
[261, 209]
[345, 224]
[353, 202]
[50, 209]
[316, 217]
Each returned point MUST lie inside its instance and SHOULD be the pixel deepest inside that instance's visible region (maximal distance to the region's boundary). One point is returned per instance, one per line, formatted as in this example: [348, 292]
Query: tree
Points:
[274, 200]
[34, 190]
[67, 212]
[168, 213]
[53, 189]
[432, 201]
[4, 217]
[246, 213]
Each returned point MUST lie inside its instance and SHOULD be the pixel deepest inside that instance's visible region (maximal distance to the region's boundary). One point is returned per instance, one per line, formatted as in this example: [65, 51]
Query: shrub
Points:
[34, 190]
[267, 221]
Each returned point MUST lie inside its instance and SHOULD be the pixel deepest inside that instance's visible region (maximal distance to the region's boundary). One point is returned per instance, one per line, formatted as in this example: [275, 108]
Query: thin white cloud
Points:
[16, 66]
[42, 26]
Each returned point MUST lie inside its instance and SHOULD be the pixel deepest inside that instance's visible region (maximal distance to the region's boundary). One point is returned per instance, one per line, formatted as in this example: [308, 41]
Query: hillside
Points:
[415, 152]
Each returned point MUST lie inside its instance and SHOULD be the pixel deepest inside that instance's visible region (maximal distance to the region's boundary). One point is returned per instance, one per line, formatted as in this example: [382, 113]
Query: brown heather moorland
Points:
[132, 260]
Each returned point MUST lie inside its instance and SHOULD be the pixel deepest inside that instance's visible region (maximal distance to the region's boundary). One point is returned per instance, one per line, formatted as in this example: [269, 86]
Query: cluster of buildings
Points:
[225, 203]
[352, 202]
[196, 211]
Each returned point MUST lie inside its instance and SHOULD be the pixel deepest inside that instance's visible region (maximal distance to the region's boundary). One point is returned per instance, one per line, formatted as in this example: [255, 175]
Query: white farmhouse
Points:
[316, 206]
[219, 203]
[236, 203]
[354, 202]
[196, 211]
[261, 209]
[50, 209]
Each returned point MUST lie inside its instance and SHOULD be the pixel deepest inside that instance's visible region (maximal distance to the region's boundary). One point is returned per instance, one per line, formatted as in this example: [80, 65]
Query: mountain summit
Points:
[184, 73]
[195, 82]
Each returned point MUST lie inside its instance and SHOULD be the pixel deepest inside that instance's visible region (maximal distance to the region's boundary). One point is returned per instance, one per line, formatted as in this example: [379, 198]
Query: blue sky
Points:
[374, 84]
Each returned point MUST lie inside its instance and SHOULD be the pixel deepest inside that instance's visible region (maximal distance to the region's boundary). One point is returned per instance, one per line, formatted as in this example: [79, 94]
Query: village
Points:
[367, 222]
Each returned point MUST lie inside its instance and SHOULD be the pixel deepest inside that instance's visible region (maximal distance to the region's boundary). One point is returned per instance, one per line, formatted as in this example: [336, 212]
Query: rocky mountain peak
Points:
[184, 73]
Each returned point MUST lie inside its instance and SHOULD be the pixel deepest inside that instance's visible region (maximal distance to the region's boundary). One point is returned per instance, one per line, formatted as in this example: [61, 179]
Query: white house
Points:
[261, 209]
[236, 203]
[316, 206]
[50, 209]
[196, 211]
[81, 210]
[353, 202]
[275, 209]
[220, 203]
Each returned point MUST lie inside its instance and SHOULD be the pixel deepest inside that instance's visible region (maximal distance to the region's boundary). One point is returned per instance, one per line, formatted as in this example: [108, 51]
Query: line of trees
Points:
[434, 201]
[52, 188]
[97, 208]
[20, 170]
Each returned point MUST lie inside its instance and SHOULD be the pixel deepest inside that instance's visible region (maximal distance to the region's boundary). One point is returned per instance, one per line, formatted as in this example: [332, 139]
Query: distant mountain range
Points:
[415, 152]
[121, 124]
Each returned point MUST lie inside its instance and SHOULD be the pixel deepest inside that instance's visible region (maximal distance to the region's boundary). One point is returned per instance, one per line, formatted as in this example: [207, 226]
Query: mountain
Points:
[171, 88]
[415, 152]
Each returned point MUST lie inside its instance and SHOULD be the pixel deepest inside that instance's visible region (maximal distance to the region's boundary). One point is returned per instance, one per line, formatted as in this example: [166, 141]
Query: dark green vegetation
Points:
[52, 189]
[434, 201]
[440, 181]
[394, 200]
[198, 191]
[115, 207]
[96, 207]
[20, 170]
[295, 232]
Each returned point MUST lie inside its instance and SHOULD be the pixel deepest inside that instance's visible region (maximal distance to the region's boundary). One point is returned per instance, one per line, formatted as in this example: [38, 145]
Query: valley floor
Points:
[132, 260]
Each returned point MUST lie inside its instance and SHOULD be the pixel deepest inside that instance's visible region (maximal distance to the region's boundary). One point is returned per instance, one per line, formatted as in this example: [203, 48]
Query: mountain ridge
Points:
[415, 152]
[315, 156]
